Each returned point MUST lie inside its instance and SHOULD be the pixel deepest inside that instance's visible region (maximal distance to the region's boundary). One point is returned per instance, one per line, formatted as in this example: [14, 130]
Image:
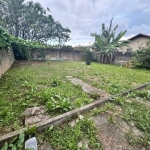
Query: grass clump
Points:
[67, 137]
[139, 113]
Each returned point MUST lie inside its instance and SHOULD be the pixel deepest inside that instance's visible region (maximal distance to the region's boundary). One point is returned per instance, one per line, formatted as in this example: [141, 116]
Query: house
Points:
[136, 41]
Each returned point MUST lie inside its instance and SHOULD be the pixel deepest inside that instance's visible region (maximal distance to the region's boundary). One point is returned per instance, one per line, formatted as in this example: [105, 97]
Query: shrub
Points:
[88, 54]
[142, 57]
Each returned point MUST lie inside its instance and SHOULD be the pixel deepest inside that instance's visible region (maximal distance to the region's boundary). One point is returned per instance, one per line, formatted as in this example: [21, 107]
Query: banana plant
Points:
[107, 44]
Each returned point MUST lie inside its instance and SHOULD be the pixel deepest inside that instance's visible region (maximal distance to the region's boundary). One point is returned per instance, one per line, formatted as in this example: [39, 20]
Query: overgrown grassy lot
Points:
[129, 115]
[30, 84]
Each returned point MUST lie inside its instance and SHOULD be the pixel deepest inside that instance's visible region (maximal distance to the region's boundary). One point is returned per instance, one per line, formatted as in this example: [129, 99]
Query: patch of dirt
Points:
[112, 135]
[42, 144]
[93, 78]
[24, 63]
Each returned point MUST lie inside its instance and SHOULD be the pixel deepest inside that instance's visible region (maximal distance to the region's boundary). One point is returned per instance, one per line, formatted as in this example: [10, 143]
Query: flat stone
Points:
[73, 123]
[46, 117]
[88, 88]
[27, 112]
[35, 115]
[38, 110]
[100, 120]
[36, 119]
[136, 132]
[32, 120]
[40, 116]
[34, 109]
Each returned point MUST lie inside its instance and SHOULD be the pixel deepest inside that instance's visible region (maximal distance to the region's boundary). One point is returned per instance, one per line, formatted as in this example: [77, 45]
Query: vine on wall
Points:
[22, 48]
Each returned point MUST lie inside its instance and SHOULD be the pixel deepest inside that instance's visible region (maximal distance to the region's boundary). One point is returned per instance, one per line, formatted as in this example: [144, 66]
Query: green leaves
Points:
[30, 21]
[4, 39]
[22, 48]
[67, 137]
[88, 54]
[142, 56]
[56, 82]
[5, 147]
[58, 103]
[15, 144]
[107, 44]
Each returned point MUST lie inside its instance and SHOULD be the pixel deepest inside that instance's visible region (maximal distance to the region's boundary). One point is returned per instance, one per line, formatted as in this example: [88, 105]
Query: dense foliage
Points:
[30, 21]
[16, 143]
[5, 39]
[88, 54]
[142, 56]
[106, 43]
[79, 47]
[22, 48]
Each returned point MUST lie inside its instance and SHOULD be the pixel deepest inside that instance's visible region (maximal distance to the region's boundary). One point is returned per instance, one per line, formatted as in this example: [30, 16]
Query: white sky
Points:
[83, 17]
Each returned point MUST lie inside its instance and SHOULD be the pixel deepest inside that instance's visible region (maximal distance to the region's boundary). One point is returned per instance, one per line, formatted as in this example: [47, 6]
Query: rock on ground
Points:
[35, 115]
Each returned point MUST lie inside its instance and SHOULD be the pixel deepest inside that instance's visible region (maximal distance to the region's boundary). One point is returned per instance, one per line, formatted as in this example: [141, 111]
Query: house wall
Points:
[122, 58]
[60, 54]
[136, 43]
[6, 61]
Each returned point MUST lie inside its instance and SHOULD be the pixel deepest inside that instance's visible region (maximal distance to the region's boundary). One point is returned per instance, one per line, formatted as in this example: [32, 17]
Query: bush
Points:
[88, 54]
[22, 48]
[142, 57]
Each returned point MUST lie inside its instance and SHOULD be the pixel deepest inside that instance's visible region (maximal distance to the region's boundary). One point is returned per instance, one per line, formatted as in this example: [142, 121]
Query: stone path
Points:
[87, 87]
[35, 115]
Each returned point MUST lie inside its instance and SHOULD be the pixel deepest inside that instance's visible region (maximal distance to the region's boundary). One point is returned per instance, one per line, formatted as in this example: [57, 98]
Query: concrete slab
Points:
[88, 88]
[112, 135]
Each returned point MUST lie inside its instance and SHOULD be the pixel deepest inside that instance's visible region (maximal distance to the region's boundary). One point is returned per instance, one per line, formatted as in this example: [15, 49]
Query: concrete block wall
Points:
[6, 60]
[60, 54]
[122, 57]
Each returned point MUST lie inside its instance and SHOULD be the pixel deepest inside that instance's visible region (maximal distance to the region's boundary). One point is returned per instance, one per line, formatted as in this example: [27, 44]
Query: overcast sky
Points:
[83, 17]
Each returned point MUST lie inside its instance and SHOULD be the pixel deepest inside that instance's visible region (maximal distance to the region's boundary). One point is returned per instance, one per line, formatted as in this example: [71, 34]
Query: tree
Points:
[31, 21]
[106, 43]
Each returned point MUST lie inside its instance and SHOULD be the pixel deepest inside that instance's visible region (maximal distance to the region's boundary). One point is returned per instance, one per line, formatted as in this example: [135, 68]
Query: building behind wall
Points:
[60, 54]
[136, 41]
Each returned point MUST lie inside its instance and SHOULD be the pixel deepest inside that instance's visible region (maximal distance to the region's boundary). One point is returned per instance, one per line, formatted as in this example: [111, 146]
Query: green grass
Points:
[66, 137]
[136, 109]
[42, 83]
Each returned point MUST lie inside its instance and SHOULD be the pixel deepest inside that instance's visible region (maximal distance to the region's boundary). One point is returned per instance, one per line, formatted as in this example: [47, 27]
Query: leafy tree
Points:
[106, 43]
[31, 21]
[141, 57]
